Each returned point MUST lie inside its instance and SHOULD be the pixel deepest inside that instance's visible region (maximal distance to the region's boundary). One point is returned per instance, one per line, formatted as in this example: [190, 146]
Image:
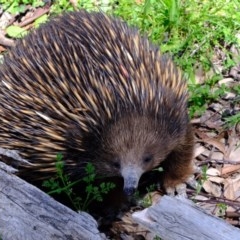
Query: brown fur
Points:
[92, 88]
[133, 139]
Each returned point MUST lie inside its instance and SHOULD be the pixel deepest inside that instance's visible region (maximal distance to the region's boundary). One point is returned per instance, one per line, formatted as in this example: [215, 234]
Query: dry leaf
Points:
[198, 151]
[212, 141]
[213, 172]
[232, 188]
[216, 155]
[235, 154]
[218, 180]
[212, 188]
[230, 169]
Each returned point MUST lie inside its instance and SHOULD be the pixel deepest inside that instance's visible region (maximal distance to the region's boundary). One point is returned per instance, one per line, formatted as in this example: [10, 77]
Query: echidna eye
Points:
[148, 158]
[116, 165]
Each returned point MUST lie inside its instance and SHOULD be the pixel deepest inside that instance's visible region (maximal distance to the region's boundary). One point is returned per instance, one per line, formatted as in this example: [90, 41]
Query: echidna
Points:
[90, 87]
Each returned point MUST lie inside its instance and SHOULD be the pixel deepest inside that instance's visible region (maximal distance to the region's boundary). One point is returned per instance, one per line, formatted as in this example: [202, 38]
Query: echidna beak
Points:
[131, 175]
[129, 191]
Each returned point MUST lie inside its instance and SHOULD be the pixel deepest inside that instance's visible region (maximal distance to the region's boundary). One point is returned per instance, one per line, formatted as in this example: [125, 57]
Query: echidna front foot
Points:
[178, 167]
[179, 190]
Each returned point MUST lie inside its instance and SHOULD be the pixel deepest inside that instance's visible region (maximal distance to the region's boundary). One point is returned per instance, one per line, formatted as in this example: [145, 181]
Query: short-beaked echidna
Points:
[90, 87]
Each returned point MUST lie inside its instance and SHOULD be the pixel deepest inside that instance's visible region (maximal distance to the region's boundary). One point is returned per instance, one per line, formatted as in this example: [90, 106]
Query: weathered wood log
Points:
[179, 219]
[28, 213]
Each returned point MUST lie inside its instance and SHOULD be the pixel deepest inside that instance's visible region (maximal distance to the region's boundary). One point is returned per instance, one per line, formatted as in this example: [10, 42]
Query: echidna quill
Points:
[90, 87]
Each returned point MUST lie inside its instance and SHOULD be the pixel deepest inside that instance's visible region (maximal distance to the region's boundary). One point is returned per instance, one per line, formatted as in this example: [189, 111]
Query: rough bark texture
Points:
[28, 213]
[179, 219]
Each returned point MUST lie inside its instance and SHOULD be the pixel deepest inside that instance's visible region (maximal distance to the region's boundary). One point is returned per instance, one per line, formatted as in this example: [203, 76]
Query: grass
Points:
[190, 31]
[187, 29]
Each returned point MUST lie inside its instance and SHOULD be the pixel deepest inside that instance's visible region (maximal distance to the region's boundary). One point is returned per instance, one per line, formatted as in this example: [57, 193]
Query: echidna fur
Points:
[90, 87]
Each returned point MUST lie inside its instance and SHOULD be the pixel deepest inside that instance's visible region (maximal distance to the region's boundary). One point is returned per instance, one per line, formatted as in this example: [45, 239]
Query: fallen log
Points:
[28, 213]
[179, 219]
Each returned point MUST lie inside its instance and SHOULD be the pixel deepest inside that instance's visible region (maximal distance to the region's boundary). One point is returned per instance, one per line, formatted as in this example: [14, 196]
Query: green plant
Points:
[235, 117]
[202, 95]
[222, 208]
[61, 5]
[146, 201]
[94, 193]
[237, 89]
[62, 184]
[90, 5]
[16, 31]
[156, 238]
[232, 120]
[19, 6]
[202, 179]
[189, 30]
[19, 32]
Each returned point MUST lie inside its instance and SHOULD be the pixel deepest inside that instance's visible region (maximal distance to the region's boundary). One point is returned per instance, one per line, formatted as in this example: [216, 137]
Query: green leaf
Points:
[40, 20]
[16, 31]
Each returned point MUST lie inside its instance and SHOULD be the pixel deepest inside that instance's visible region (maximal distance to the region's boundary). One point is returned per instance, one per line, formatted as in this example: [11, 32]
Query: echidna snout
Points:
[131, 175]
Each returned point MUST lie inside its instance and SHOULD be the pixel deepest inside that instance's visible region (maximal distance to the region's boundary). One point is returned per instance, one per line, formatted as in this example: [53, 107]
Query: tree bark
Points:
[28, 213]
[179, 219]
